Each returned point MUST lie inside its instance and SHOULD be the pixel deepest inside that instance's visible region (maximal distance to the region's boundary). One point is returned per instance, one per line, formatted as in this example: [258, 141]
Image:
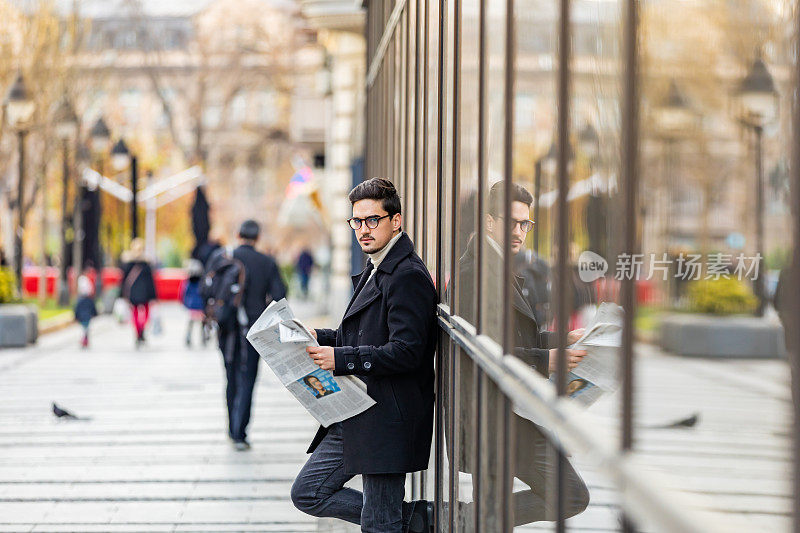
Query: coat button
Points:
[367, 365]
[350, 366]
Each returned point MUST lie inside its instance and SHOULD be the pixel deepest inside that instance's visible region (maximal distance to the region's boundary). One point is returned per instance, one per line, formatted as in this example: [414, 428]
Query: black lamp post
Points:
[547, 163]
[83, 159]
[66, 129]
[19, 109]
[673, 118]
[100, 143]
[121, 158]
[757, 100]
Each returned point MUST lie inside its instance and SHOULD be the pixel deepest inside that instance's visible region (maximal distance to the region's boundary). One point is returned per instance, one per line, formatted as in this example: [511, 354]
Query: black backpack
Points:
[222, 289]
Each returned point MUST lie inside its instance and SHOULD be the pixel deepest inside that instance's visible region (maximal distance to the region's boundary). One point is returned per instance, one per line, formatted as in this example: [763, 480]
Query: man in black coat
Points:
[534, 461]
[262, 285]
[387, 338]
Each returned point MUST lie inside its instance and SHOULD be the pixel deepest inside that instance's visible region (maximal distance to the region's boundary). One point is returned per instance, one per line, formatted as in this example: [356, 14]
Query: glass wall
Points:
[569, 163]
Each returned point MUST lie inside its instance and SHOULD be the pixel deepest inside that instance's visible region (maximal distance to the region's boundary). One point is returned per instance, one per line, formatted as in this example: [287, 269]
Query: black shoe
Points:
[421, 517]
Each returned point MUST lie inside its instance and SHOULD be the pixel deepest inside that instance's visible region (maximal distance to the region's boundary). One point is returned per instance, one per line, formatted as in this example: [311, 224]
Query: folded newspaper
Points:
[598, 372]
[281, 341]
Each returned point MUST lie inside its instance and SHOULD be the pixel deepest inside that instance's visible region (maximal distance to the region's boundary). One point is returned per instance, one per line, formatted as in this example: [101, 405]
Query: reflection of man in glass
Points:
[535, 460]
[317, 386]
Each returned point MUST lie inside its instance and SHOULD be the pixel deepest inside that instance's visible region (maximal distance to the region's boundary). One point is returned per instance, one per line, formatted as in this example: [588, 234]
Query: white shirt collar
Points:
[377, 257]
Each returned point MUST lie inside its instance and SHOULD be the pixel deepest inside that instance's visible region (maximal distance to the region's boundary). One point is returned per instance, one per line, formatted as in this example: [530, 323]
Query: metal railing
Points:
[404, 99]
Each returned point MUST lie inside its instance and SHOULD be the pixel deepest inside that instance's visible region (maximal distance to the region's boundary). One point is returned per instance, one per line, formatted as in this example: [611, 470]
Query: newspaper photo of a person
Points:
[319, 386]
[575, 385]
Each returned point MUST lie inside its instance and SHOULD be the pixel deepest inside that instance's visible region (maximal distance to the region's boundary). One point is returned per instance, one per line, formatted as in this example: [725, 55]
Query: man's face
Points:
[375, 239]
[315, 383]
[497, 227]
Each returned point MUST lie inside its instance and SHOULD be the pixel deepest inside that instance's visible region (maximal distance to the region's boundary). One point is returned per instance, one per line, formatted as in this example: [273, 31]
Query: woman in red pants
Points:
[138, 286]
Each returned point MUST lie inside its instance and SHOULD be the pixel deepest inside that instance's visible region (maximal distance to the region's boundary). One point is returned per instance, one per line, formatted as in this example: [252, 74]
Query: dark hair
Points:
[306, 379]
[377, 189]
[496, 199]
[249, 230]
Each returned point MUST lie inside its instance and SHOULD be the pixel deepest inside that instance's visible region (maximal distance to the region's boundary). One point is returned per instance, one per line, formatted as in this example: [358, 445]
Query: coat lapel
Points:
[359, 280]
[368, 294]
[497, 266]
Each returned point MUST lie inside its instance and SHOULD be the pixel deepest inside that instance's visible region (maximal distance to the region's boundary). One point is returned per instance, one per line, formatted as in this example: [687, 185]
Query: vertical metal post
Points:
[562, 233]
[407, 105]
[417, 214]
[456, 156]
[63, 285]
[77, 231]
[629, 156]
[482, 167]
[424, 70]
[507, 444]
[439, 259]
[537, 191]
[759, 285]
[134, 195]
[42, 285]
[794, 281]
[477, 451]
[20, 209]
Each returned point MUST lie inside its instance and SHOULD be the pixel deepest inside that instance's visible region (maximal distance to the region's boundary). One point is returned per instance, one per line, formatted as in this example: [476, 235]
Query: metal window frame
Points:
[497, 378]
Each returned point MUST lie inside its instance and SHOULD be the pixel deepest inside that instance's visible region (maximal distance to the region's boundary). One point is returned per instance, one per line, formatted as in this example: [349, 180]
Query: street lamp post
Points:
[589, 144]
[100, 142]
[82, 158]
[757, 100]
[121, 158]
[673, 118]
[66, 130]
[548, 164]
[19, 111]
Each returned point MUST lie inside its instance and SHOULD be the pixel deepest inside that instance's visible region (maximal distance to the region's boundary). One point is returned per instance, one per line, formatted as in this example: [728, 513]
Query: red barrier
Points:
[168, 280]
[168, 283]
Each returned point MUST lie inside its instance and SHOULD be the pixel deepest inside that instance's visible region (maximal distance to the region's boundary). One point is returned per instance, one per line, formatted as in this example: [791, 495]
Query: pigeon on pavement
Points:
[63, 413]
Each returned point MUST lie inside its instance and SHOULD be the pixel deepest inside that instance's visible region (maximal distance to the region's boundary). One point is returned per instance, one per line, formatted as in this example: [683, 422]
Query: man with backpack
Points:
[238, 286]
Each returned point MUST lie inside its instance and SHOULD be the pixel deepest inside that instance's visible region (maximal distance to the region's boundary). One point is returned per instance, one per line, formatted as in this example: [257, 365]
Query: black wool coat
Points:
[388, 338]
[262, 282]
[138, 285]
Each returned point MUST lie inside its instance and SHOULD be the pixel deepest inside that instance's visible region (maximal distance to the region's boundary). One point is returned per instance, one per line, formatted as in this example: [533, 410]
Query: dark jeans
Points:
[319, 490]
[536, 465]
[241, 369]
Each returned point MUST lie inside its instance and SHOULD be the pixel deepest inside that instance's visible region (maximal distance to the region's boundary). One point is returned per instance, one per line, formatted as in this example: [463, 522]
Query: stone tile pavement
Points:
[153, 453]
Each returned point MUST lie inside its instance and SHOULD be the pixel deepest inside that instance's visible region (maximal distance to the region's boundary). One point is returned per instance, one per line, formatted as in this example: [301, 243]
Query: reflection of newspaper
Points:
[281, 341]
[598, 371]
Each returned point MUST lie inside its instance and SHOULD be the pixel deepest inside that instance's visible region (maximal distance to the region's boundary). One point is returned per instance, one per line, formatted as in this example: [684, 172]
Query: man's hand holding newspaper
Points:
[596, 372]
[281, 340]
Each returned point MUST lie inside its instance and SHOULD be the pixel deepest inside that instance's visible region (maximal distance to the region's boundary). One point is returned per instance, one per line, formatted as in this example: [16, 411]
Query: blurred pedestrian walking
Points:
[138, 286]
[85, 310]
[262, 285]
[305, 264]
[192, 301]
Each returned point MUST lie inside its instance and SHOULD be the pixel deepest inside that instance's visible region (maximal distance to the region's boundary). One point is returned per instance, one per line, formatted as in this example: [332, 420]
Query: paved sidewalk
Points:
[154, 455]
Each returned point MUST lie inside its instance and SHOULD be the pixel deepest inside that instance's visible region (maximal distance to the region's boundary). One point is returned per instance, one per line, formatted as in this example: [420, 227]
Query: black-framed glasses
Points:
[525, 225]
[371, 222]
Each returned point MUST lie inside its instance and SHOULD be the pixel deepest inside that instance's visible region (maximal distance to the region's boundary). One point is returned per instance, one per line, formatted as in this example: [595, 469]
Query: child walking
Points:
[85, 309]
[192, 301]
